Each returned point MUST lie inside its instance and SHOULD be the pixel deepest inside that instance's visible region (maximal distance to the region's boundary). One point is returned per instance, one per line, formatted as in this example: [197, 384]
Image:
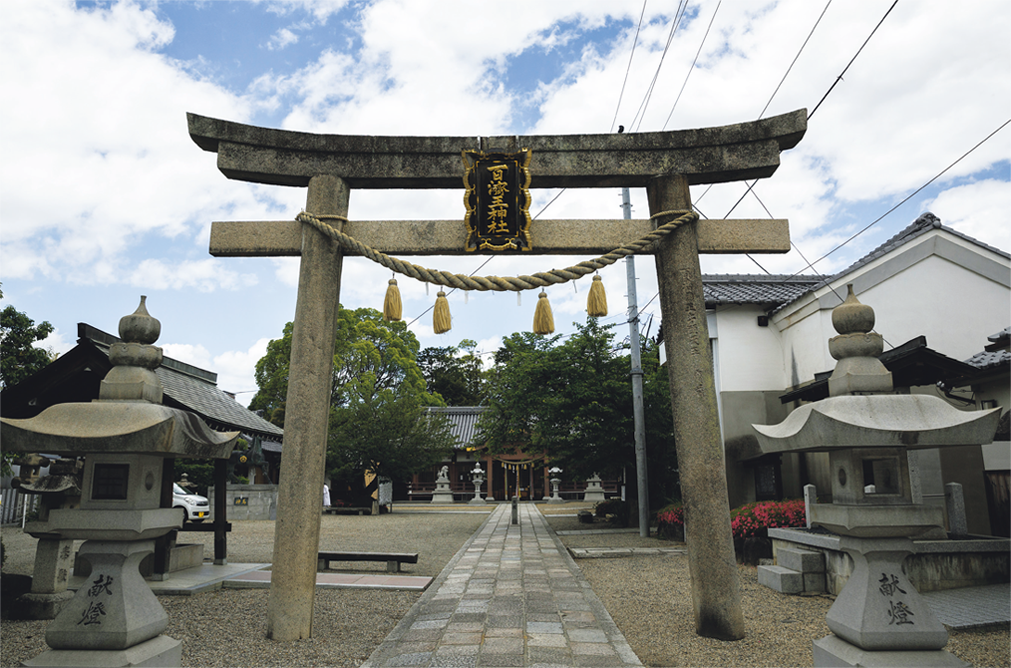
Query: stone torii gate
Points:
[665, 163]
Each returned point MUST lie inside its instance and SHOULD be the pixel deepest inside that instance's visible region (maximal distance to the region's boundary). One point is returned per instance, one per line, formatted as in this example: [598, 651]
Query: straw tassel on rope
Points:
[393, 308]
[544, 321]
[596, 302]
[441, 322]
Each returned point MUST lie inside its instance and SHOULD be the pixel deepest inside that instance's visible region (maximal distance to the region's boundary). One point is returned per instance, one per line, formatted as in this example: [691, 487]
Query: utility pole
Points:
[640, 424]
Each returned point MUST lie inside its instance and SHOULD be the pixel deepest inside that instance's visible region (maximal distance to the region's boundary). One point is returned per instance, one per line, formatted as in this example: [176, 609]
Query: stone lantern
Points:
[477, 477]
[114, 619]
[554, 471]
[878, 618]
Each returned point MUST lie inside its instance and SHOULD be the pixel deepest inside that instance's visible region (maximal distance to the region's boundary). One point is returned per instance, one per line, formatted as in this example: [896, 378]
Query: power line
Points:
[839, 78]
[820, 16]
[629, 67]
[910, 196]
[641, 113]
[692, 68]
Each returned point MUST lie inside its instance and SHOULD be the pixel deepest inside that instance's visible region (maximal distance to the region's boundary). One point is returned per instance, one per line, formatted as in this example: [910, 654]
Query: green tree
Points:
[388, 433]
[377, 399]
[19, 358]
[572, 400]
[364, 344]
[455, 373]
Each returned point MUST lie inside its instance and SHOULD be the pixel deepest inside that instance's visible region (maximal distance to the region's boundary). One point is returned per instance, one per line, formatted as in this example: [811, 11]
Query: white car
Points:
[197, 508]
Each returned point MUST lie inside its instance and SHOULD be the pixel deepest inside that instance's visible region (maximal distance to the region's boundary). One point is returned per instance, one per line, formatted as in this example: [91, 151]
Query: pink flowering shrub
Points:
[670, 522]
[748, 521]
[754, 519]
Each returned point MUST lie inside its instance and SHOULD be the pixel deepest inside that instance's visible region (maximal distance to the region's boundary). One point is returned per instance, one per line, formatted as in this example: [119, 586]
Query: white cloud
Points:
[101, 161]
[56, 342]
[978, 209]
[194, 354]
[281, 39]
[203, 275]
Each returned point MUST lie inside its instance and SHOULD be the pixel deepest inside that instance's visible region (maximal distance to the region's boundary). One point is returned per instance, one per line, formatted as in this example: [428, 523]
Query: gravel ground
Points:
[779, 628]
[228, 627]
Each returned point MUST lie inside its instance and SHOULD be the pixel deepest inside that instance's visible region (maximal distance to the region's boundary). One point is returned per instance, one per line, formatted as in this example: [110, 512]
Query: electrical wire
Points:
[820, 16]
[629, 67]
[641, 113]
[839, 78]
[911, 195]
[692, 68]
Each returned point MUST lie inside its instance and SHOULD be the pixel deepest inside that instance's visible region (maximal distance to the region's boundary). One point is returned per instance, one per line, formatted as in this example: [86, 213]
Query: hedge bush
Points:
[614, 510]
[748, 521]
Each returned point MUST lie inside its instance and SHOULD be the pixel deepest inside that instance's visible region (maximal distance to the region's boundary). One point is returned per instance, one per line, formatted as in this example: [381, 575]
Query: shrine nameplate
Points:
[497, 200]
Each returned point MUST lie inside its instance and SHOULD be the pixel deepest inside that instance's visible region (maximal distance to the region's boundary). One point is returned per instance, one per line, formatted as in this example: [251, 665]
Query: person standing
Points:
[326, 496]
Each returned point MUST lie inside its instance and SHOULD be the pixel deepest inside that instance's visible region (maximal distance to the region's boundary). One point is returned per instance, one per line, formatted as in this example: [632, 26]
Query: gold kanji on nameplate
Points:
[497, 200]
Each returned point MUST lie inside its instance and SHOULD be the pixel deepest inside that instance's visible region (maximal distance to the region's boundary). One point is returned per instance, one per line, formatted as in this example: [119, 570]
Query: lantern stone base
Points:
[833, 651]
[442, 493]
[158, 651]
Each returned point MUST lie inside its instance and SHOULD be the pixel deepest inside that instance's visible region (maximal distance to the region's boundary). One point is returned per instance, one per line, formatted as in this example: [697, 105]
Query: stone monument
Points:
[477, 477]
[54, 556]
[115, 619]
[594, 491]
[442, 493]
[879, 619]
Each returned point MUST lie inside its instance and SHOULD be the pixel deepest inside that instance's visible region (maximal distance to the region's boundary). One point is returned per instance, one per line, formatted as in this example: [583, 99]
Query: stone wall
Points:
[248, 502]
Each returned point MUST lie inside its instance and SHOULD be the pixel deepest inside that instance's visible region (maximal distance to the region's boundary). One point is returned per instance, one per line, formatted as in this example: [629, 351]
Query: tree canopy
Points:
[378, 398]
[19, 358]
[455, 373]
[572, 399]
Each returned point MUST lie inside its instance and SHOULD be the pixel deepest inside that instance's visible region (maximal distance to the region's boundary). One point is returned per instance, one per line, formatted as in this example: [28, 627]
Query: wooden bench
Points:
[392, 559]
[348, 510]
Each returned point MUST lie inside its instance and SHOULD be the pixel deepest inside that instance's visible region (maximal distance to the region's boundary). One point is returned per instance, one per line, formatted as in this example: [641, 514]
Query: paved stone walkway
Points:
[971, 607]
[512, 596]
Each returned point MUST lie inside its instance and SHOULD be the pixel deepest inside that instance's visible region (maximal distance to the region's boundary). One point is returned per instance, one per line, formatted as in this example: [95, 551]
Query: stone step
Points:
[788, 581]
[782, 579]
[803, 561]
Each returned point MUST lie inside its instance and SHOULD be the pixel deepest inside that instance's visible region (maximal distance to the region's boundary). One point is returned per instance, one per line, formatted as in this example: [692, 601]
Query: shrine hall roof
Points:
[463, 422]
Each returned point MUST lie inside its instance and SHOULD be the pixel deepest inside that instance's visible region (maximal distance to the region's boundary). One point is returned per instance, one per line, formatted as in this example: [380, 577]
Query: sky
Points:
[104, 197]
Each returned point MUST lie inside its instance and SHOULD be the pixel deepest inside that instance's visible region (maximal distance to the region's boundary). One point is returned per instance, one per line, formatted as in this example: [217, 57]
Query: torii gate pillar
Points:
[307, 411]
[715, 583]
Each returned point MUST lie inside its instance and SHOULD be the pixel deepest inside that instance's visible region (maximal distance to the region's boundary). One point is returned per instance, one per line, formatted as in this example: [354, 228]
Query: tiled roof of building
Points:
[986, 360]
[463, 422]
[1000, 339]
[776, 291]
[926, 222]
[195, 389]
[719, 289]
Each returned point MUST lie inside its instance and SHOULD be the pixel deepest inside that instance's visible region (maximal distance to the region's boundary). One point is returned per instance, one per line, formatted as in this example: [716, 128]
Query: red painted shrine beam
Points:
[707, 155]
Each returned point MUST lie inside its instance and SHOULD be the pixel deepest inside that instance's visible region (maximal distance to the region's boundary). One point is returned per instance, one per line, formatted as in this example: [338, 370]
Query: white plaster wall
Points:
[750, 356]
[955, 309]
[805, 347]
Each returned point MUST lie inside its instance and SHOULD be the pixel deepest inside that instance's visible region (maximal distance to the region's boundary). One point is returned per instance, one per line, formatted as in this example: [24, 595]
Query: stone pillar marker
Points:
[296, 532]
[810, 497]
[954, 503]
[715, 584]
